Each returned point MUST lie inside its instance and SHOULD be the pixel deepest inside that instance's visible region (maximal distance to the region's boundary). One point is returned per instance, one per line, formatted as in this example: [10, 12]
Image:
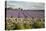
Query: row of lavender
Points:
[25, 13]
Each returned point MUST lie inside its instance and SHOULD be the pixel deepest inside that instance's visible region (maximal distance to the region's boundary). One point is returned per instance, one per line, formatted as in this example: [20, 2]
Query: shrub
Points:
[38, 24]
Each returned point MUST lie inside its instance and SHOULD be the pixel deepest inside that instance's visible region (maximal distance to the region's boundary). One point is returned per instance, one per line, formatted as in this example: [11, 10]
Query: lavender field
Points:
[24, 19]
[25, 13]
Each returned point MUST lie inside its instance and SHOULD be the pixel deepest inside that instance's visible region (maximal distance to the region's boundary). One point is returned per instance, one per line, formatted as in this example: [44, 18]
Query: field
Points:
[25, 13]
[24, 19]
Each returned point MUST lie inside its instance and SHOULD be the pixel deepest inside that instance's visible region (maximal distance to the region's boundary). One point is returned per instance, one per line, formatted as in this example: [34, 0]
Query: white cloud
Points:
[25, 5]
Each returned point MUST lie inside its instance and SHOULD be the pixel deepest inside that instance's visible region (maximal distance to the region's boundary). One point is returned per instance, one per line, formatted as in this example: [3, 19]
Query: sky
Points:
[25, 5]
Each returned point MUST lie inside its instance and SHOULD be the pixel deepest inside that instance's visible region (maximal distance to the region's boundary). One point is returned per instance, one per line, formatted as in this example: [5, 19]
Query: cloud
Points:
[25, 5]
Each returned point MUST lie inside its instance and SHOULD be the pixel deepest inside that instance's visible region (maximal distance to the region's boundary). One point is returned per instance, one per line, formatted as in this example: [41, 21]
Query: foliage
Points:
[26, 23]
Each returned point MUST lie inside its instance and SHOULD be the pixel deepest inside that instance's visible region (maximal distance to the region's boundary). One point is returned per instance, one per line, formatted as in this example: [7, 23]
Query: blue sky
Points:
[25, 5]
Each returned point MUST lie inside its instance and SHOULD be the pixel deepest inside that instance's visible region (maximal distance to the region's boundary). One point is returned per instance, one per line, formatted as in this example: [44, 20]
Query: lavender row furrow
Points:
[24, 13]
